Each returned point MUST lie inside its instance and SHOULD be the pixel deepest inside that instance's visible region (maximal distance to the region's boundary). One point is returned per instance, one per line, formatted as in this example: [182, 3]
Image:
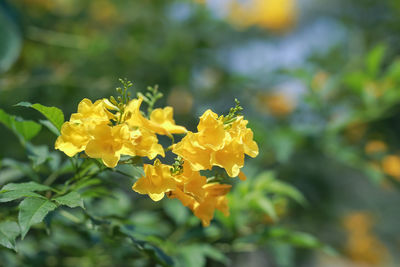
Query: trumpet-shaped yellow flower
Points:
[91, 113]
[75, 133]
[211, 133]
[204, 208]
[107, 143]
[244, 136]
[156, 182]
[191, 151]
[143, 143]
[215, 198]
[73, 138]
[231, 158]
[163, 118]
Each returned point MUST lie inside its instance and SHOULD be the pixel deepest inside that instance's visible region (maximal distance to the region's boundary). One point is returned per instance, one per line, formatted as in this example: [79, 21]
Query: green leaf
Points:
[30, 186]
[266, 205]
[25, 130]
[13, 195]
[33, 211]
[176, 211]
[374, 59]
[8, 232]
[150, 250]
[71, 200]
[282, 188]
[50, 126]
[53, 114]
[38, 154]
[10, 40]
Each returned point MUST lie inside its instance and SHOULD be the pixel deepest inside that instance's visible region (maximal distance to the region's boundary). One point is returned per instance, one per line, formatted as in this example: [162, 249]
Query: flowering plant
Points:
[108, 129]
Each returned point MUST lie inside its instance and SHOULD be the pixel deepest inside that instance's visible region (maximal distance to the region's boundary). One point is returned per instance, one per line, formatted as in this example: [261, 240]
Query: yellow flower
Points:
[107, 143]
[133, 117]
[91, 113]
[191, 151]
[192, 182]
[73, 138]
[215, 198]
[163, 118]
[156, 182]
[143, 143]
[231, 158]
[244, 136]
[74, 134]
[211, 133]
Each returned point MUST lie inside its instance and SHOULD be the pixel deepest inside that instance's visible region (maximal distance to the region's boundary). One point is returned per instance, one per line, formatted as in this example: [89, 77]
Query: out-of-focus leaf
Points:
[53, 114]
[176, 211]
[71, 200]
[298, 239]
[10, 174]
[149, 249]
[38, 154]
[25, 130]
[265, 205]
[215, 254]
[29, 186]
[50, 126]
[8, 232]
[10, 41]
[374, 59]
[25, 168]
[281, 188]
[13, 195]
[33, 211]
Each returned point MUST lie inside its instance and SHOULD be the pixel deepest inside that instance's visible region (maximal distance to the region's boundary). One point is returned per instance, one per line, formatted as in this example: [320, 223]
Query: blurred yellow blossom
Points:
[277, 15]
[391, 165]
[374, 147]
[362, 245]
[277, 104]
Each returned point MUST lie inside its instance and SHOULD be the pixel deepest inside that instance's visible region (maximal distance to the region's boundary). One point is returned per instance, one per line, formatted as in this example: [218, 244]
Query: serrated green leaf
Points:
[29, 186]
[13, 195]
[33, 211]
[25, 130]
[72, 200]
[53, 114]
[8, 232]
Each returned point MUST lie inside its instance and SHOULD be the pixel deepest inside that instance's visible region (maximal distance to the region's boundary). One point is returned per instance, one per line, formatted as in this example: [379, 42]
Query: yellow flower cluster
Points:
[102, 134]
[107, 130]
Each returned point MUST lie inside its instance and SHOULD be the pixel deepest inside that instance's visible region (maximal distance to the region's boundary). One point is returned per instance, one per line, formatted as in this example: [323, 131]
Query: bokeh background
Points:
[319, 82]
